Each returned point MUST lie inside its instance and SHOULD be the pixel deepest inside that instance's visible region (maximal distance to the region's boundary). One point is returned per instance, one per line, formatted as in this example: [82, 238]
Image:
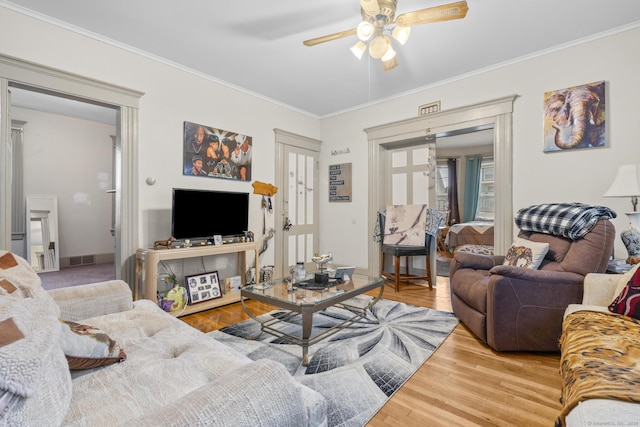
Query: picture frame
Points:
[233, 284]
[575, 117]
[217, 239]
[203, 287]
[211, 152]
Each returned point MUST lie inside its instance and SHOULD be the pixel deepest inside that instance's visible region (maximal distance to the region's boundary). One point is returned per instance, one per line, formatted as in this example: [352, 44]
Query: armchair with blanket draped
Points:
[515, 308]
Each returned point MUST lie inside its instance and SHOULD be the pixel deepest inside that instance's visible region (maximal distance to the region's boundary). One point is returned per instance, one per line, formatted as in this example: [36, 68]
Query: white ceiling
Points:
[256, 46]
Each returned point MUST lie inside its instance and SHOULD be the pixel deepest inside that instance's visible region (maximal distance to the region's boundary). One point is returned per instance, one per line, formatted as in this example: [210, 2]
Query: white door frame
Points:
[497, 113]
[19, 72]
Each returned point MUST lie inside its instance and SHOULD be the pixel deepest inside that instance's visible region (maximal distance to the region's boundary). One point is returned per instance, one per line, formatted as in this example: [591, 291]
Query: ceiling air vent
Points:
[433, 107]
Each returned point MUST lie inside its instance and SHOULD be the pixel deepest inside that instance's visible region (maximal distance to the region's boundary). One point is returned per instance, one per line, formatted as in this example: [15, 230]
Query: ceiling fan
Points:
[379, 21]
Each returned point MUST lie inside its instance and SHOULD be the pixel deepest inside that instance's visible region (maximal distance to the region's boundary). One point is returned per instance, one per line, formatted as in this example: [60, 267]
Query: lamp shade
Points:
[358, 49]
[389, 61]
[379, 46]
[364, 30]
[626, 182]
[401, 34]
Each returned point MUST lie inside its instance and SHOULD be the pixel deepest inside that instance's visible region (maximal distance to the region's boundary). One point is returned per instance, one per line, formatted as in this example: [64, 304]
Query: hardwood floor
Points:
[464, 383]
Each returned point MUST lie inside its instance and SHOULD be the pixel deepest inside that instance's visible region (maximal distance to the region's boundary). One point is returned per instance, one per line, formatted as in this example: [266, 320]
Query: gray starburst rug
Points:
[359, 368]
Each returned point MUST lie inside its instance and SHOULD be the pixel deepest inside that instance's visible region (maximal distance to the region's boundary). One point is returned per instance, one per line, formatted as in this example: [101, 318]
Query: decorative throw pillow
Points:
[15, 272]
[623, 281]
[628, 301]
[525, 253]
[32, 364]
[87, 347]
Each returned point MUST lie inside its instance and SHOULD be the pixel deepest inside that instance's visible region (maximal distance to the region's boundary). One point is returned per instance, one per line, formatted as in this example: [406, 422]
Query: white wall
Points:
[71, 159]
[171, 96]
[574, 175]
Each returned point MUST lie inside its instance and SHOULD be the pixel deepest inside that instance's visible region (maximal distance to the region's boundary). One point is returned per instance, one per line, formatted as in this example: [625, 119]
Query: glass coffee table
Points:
[308, 301]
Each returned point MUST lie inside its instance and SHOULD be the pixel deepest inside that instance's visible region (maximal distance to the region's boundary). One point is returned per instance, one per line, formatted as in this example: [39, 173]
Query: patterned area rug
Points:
[358, 368]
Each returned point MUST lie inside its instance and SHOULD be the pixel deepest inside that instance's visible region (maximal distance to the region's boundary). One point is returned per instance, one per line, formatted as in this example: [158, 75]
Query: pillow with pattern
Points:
[628, 301]
[525, 253]
[87, 347]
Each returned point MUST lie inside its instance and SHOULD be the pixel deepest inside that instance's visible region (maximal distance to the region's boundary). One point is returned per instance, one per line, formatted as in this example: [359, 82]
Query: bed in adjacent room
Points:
[476, 233]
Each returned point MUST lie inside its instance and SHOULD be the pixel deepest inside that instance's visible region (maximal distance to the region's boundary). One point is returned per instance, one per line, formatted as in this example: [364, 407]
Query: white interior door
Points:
[300, 207]
[410, 182]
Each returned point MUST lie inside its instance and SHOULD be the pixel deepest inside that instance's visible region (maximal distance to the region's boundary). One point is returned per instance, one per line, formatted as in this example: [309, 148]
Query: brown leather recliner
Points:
[520, 309]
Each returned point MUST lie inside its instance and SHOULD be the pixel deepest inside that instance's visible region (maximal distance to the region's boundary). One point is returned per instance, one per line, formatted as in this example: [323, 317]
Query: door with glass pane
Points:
[300, 207]
[410, 182]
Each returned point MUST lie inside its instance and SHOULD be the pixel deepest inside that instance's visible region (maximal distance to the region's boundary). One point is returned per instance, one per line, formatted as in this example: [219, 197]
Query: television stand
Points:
[147, 260]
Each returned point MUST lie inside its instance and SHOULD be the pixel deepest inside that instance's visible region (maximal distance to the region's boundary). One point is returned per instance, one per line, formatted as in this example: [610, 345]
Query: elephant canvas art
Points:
[575, 117]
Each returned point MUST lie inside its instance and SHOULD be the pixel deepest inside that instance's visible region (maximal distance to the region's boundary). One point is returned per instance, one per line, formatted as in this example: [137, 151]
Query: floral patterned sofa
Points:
[89, 355]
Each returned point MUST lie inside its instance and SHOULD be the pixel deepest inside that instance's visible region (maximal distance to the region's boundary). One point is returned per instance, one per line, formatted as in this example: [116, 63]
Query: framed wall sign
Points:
[340, 183]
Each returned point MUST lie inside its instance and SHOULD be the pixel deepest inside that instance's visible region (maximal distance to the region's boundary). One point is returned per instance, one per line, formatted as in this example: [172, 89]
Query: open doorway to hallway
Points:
[67, 152]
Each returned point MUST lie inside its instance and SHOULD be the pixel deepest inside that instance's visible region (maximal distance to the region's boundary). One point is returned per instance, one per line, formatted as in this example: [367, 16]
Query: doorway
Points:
[67, 152]
[455, 152]
[18, 73]
[496, 113]
[410, 181]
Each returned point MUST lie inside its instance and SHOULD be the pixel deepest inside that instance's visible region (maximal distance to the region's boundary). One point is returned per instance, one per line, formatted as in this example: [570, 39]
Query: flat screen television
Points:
[202, 214]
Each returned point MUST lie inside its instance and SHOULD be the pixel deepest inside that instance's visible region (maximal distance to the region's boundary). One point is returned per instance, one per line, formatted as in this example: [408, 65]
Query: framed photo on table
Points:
[203, 287]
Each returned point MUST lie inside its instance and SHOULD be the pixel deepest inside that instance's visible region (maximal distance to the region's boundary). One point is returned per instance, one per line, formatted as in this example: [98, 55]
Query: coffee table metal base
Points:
[306, 311]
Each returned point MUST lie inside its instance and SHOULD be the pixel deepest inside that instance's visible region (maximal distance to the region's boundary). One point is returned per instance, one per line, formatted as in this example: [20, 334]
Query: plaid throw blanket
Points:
[570, 220]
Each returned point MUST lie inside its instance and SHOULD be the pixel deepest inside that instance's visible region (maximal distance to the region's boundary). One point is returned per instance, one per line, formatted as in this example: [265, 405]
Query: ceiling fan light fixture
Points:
[378, 46]
[389, 61]
[358, 49]
[379, 25]
[389, 54]
[364, 30]
[401, 34]
[390, 64]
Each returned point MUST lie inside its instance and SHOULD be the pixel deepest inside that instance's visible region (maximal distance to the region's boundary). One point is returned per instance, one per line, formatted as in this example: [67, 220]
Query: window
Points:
[486, 198]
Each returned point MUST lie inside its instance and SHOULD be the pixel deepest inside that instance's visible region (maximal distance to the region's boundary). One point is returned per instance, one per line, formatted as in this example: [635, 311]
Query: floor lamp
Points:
[627, 184]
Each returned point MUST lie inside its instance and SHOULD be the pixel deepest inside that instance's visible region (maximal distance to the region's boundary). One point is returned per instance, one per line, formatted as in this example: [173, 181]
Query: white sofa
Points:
[173, 374]
[599, 292]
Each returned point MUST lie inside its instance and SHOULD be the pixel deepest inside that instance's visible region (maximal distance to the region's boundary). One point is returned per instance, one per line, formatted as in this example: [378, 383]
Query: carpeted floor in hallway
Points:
[73, 276]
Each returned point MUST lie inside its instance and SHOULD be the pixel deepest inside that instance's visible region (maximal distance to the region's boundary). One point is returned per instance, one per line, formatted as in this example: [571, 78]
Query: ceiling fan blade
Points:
[446, 12]
[370, 7]
[330, 37]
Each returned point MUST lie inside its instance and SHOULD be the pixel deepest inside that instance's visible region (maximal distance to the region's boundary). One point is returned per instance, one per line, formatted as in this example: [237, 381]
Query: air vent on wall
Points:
[75, 261]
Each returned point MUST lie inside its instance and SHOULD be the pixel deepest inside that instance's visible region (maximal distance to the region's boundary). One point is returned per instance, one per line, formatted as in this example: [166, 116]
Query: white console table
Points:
[146, 280]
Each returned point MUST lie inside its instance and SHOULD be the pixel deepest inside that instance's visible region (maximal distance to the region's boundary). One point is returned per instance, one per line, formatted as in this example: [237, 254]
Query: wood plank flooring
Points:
[464, 383]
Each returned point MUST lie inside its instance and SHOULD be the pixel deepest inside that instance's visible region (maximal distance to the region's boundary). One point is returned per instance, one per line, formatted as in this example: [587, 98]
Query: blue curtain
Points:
[472, 188]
